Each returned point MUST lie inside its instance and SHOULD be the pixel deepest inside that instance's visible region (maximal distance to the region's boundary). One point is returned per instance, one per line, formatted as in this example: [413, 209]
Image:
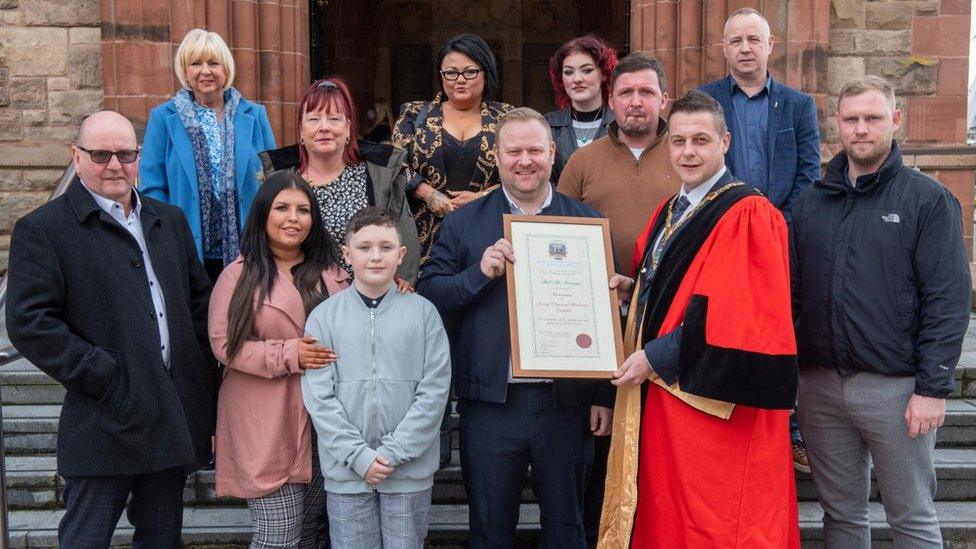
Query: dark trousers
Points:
[94, 506]
[500, 441]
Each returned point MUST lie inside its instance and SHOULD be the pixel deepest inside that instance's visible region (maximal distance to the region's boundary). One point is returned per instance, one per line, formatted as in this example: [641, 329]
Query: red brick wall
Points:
[269, 40]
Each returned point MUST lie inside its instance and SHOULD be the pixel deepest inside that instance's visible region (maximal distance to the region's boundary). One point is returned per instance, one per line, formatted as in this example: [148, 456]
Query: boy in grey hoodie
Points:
[378, 408]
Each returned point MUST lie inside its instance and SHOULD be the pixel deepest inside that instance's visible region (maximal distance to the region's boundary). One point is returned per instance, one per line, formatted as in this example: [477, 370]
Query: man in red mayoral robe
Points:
[699, 459]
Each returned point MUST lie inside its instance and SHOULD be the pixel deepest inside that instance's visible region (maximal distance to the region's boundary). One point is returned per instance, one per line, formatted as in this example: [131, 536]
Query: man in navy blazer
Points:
[775, 133]
[507, 423]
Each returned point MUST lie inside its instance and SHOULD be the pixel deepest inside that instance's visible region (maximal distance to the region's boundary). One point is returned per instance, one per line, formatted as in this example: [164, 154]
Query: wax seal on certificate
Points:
[584, 341]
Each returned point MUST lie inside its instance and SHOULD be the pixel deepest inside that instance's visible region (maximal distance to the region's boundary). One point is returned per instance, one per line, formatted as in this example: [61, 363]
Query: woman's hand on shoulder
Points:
[403, 286]
[312, 356]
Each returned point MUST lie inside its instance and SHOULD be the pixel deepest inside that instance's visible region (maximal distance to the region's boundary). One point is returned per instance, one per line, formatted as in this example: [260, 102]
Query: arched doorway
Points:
[388, 48]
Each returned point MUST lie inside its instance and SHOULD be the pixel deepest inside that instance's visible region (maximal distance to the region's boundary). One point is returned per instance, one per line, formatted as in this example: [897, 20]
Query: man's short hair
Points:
[699, 101]
[371, 216]
[637, 61]
[747, 11]
[522, 114]
[200, 44]
[864, 84]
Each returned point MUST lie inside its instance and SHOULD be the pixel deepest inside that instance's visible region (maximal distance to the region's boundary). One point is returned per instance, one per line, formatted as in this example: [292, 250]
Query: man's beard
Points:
[877, 154]
[634, 128]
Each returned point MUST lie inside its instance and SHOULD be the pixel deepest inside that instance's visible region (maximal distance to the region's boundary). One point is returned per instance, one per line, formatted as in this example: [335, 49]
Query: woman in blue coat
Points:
[201, 149]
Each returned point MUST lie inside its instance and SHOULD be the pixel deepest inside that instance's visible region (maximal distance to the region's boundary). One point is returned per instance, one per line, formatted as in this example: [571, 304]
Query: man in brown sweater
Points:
[627, 172]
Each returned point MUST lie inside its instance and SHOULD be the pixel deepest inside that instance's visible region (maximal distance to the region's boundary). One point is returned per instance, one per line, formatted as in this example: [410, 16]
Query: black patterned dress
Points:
[419, 131]
[340, 200]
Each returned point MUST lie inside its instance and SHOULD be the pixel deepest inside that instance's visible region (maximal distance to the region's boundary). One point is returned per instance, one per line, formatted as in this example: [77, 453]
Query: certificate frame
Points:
[600, 353]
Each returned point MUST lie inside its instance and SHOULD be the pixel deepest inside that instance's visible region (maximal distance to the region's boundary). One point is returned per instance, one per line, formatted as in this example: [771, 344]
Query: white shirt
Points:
[519, 211]
[133, 224]
[694, 196]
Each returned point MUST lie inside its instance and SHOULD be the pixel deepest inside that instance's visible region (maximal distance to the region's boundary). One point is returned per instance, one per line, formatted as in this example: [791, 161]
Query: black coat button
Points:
[136, 263]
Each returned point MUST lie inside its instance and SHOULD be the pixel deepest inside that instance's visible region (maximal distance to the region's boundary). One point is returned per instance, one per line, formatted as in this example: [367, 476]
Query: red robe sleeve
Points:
[737, 342]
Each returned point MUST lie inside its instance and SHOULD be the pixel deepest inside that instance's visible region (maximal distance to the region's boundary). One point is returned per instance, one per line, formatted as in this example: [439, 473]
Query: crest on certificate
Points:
[557, 249]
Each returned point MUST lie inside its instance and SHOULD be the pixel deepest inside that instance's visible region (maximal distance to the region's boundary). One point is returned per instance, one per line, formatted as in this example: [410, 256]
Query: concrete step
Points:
[33, 483]
[32, 428]
[230, 527]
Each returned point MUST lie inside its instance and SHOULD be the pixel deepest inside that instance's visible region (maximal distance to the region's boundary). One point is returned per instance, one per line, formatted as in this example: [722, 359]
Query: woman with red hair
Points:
[580, 73]
[346, 173]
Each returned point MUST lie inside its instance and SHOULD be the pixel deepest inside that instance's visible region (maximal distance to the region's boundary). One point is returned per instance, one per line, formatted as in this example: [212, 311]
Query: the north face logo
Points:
[891, 218]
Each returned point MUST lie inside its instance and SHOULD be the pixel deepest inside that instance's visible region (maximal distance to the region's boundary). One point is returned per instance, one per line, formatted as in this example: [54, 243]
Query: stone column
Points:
[686, 35]
[50, 79]
[269, 40]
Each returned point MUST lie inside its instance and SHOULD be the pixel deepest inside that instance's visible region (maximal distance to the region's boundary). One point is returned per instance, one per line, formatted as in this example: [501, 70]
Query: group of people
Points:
[312, 308]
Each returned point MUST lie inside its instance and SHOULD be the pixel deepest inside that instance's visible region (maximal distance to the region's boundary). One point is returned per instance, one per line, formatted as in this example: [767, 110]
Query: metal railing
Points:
[8, 354]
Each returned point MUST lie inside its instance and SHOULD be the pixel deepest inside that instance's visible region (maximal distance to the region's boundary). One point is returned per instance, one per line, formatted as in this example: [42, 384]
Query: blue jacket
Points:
[793, 141]
[475, 308]
[167, 170]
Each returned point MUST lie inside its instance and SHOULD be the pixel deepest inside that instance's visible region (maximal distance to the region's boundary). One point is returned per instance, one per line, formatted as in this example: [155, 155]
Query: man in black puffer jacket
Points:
[881, 288]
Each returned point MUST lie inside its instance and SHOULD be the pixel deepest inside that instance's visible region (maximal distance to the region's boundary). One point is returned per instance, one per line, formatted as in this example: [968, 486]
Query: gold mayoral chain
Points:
[670, 228]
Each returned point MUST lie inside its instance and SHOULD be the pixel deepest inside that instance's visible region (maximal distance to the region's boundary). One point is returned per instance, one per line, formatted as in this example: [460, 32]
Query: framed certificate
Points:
[563, 316]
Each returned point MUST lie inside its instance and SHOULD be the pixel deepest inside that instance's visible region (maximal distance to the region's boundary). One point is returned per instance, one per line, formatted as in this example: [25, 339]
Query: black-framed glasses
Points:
[327, 84]
[468, 74]
[125, 156]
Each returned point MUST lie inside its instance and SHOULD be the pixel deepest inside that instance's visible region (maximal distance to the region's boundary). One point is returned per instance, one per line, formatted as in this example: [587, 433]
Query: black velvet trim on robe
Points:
[732, 375]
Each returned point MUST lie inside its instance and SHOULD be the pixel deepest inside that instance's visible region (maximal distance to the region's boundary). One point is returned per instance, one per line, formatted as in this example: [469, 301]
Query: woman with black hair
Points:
[264, 446]
[449, 140]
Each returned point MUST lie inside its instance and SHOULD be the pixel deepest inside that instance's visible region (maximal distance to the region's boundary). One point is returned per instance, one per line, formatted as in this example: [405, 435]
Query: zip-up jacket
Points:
[386, 393]
[881, 281]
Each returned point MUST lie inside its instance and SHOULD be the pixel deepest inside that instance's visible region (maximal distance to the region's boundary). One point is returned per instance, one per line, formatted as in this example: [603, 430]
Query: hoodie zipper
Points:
[372, 349]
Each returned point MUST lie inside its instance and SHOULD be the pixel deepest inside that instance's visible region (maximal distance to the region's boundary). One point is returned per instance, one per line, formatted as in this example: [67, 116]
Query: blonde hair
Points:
[864, 84]
[522, 114]
[199, 44]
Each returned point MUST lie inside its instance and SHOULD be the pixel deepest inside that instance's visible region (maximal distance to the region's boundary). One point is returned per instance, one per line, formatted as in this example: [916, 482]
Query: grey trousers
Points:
[376, 520]
[849, 422]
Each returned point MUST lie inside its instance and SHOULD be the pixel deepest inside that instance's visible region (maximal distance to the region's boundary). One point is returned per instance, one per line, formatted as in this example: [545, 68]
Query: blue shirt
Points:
[749, 154]
[133, 224]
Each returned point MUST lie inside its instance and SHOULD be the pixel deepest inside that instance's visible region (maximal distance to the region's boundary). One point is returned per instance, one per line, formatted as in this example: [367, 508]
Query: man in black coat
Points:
[107, 296]
[881, 288]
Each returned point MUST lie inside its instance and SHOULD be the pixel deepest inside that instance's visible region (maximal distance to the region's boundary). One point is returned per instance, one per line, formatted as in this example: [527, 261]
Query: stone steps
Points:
[226, 527]
[33, 483]
[30, 429]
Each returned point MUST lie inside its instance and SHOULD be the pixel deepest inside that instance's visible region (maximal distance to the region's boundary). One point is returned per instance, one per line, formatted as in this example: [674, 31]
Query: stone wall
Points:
[921, 46]
[50, 78]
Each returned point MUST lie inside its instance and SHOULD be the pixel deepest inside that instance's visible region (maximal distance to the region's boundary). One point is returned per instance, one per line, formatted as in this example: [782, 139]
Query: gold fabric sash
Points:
[620, 496]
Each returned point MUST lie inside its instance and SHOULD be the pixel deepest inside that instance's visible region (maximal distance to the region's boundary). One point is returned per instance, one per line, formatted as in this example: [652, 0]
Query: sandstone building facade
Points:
[63, 59]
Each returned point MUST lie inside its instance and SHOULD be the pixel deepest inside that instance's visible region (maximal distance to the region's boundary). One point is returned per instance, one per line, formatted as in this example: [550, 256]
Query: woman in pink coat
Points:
[257, 319]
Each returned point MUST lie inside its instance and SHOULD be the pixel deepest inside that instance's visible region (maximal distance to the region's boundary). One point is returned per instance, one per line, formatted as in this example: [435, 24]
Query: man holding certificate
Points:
[508, 423]
[699, 458]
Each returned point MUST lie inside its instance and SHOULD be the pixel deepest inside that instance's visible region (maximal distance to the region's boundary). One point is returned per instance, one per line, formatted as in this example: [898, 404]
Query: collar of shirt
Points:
[110, 205]
[733, 85]
[698, 193]
[519, 211]
[370, 302]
